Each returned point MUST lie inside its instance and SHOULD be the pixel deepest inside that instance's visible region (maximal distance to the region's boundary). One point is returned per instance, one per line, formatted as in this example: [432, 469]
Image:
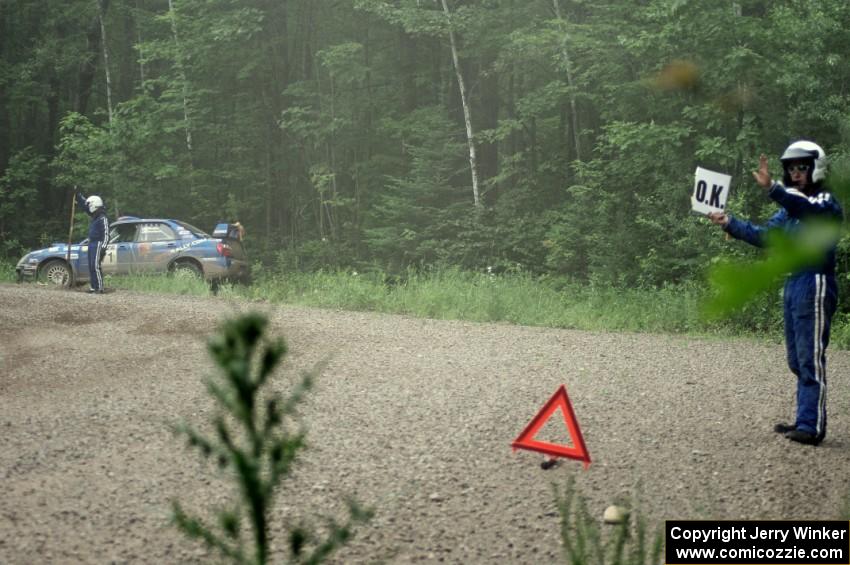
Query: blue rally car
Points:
[141, 246]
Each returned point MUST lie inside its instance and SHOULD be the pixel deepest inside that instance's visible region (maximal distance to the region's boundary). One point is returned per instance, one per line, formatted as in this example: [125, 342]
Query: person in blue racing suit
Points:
[810, 295]
[98, 235]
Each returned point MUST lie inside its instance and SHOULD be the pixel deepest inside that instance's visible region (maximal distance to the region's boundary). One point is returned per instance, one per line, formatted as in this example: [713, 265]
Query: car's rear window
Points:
[192, 229]
[155, 231]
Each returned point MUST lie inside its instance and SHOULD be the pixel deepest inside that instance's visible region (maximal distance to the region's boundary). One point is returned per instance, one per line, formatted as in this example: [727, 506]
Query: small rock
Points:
[615, 515]
[435, 497]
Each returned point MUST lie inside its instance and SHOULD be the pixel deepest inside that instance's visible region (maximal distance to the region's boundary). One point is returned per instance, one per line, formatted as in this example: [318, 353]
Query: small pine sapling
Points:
[257, 446]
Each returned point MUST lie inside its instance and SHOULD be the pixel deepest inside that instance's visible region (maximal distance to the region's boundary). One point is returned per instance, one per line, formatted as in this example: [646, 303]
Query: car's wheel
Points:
[187, 269]
[55, 272]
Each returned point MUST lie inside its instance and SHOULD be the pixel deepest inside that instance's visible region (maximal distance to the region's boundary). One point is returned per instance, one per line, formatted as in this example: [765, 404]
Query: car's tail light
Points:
[224, 249]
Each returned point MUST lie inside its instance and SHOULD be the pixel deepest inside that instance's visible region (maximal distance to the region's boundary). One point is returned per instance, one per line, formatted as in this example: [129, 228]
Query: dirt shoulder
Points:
[411, 417]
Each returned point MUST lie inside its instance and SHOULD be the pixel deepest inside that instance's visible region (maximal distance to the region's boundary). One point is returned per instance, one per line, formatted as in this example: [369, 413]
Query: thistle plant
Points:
[254, 442]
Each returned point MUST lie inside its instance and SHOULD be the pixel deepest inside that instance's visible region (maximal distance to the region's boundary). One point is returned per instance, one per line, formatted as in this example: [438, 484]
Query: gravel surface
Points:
[411, 417]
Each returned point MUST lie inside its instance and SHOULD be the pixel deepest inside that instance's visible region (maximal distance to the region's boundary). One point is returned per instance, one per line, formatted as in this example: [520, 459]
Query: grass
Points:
[179, 283]
[516, 298]
[583, 541]
[7, 271]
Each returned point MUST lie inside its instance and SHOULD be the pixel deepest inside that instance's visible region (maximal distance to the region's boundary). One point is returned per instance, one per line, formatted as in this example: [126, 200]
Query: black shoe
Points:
[783, 428]
[803, 437]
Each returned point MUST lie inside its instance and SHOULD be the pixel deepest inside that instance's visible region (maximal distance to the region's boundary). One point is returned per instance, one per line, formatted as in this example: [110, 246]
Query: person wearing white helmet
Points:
[810, 295]
[98, 234]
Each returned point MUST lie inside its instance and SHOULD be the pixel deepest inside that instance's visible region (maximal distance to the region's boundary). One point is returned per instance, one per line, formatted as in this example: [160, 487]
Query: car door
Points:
[156, 243]
[120, 251]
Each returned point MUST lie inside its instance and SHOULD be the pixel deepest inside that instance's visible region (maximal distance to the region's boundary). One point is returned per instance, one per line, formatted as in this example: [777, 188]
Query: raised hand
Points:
[762, 175]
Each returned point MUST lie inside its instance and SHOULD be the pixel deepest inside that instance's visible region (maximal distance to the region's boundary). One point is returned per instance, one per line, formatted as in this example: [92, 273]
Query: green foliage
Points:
[86, 157]
[840, 332]
[335, 133]
[253, 440]
[7, 271]
[647, 236]
[584, 543]
[409, 14]
[18, 196]
[417, 213]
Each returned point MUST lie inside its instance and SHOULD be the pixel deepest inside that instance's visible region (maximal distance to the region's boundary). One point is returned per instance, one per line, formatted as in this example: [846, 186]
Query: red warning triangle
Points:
[526, 440]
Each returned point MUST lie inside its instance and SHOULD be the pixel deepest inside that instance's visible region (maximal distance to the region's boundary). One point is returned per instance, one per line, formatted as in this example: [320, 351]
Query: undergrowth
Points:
[516, 298]
[628, 543]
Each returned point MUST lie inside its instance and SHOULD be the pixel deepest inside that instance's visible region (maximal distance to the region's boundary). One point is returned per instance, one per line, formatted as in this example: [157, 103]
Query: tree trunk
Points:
[331, 148]
[88, 67]
[4, 108]
[488, 119]
[467, 116]
[275, 79]
[269, 197]
[737, 11]
[513, 144]
[407, 66]
[102, 6]
[569, 72]
[141, 53]
[182, 72]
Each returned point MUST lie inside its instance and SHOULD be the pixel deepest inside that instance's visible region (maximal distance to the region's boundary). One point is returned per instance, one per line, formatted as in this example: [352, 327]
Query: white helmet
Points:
[94, 203]
[805, 150]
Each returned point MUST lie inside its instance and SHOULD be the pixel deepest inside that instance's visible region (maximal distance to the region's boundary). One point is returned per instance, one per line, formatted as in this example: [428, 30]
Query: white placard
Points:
[711, 190]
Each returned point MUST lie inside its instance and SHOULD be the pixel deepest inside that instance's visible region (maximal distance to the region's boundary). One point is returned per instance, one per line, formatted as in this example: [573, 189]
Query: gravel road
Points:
[411, 417]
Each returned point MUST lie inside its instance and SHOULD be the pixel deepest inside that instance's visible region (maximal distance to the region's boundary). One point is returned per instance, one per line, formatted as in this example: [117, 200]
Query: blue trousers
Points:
[810, 302]
[95, 276]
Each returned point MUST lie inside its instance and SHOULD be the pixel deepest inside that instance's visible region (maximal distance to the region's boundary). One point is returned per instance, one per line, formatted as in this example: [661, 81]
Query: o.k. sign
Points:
[711, 190]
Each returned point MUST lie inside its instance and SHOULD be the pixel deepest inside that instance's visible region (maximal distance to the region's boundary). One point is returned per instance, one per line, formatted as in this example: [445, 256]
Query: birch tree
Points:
[417, 19]
[182, 73]
[467, 114]
[102, 6]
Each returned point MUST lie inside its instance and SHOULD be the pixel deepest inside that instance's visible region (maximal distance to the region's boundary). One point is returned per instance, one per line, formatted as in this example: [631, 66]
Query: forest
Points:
[549, 137]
